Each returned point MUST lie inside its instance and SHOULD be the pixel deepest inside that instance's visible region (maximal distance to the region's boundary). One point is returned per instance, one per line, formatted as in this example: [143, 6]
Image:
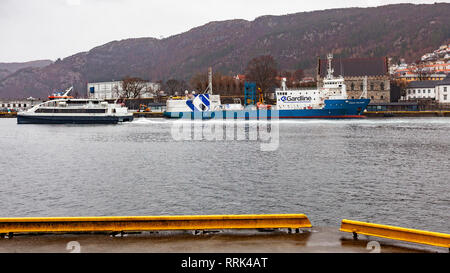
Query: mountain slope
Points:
[9, 68]
[295, 41]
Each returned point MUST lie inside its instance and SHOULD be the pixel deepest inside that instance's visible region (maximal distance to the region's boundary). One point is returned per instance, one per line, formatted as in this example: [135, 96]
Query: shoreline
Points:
[369, 114]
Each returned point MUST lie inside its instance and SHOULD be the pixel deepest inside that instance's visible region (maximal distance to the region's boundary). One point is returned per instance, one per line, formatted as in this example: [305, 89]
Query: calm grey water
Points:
[389, 171]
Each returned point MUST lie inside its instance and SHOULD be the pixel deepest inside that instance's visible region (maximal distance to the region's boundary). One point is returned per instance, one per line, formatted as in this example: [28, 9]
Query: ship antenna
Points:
[209, 90]
[330, 69]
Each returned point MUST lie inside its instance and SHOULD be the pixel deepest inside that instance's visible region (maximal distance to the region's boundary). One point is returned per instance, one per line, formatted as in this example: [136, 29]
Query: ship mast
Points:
[209, 90]
[330, 69]
[68, 91]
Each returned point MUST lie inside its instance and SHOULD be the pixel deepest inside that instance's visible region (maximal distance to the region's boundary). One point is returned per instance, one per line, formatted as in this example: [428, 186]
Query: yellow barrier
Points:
[396, 233]
[143, 223]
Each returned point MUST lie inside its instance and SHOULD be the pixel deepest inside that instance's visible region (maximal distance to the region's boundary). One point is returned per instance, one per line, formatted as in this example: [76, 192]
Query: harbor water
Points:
[387, 171]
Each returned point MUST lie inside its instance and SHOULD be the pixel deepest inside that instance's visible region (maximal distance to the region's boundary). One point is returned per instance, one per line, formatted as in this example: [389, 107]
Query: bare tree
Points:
[263, 71]
[299, 75]
[133, 87]
[222, 84]
[199, 81]
[171, 86]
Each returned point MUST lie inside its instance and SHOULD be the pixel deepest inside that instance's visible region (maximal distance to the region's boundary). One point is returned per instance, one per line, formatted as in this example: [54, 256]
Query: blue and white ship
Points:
[329, 101]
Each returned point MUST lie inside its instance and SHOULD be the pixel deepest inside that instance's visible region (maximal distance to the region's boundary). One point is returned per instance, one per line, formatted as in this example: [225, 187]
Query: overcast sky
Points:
[51, 29]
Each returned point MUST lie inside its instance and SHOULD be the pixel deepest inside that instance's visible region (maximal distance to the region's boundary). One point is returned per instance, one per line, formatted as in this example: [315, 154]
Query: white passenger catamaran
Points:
[63, 108]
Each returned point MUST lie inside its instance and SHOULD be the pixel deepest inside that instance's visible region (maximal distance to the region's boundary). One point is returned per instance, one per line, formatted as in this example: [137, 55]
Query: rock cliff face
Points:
[294, 40]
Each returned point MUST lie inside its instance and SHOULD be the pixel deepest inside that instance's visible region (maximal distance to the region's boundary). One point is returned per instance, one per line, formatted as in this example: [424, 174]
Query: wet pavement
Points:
[315, 240]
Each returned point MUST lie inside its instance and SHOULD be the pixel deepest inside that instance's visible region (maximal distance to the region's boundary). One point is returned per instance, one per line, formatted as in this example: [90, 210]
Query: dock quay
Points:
[8, 115]
[275, 233]
[384, 114]
[148, 114]
[368, 114]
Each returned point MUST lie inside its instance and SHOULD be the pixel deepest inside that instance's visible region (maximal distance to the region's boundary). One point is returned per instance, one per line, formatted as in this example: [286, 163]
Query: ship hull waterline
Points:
[334, 109]
[41, 119]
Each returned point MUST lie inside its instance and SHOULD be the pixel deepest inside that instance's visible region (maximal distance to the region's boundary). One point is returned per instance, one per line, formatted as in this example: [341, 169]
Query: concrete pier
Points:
[314, 240]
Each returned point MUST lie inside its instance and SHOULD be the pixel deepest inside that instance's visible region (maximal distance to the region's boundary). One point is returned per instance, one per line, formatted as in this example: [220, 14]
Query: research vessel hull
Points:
[334, 109]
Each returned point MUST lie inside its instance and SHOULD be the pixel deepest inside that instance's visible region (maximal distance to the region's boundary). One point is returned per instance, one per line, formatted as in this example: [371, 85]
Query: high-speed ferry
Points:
[329, 101]
[66, 109]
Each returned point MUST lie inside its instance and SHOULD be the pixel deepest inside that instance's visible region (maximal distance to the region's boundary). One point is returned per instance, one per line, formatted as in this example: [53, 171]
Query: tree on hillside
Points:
[263, 71]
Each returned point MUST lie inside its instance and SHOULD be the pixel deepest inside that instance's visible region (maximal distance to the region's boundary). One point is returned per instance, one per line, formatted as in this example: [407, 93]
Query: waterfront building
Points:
[438, 91]
[364, 77]
[421, 90]
[8, 105]
[443, 90]
[113, 90]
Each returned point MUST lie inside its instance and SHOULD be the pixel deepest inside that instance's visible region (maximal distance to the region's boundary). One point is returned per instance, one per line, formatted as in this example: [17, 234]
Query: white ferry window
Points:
[445, 97]
[445, 88]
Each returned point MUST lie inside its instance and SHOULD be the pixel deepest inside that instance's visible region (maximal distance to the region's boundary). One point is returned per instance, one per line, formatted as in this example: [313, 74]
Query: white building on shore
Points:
[421, 90]
[113, 90]
[9, 105]
[434, 90]
[443, 90]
